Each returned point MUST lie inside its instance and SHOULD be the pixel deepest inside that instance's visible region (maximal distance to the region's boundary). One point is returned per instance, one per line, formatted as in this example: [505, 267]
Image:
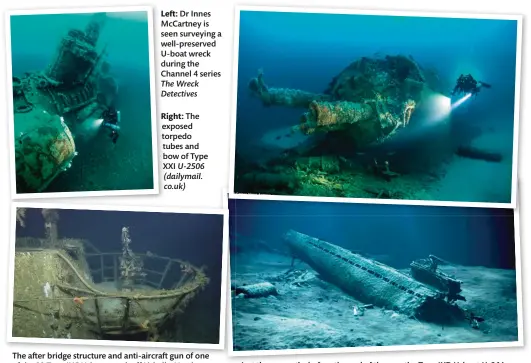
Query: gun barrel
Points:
[439, 260]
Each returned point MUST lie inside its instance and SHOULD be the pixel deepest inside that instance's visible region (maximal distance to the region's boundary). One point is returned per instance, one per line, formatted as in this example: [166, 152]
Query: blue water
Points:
[305, 51]
[128, 165]
[463, 236]
[195, 238]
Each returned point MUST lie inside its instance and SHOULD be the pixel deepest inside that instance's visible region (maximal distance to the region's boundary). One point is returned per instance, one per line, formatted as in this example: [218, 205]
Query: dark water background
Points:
[196, 238]
[305, 51]
[100, 164]
[463, 236]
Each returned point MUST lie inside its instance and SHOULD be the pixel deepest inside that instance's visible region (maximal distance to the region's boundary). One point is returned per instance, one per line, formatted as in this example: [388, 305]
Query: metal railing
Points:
[105, 267]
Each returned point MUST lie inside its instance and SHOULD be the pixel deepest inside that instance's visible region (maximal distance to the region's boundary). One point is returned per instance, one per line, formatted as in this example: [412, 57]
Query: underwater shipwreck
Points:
[75, 91]
[66, 288]
[350, 134]
[339, 298]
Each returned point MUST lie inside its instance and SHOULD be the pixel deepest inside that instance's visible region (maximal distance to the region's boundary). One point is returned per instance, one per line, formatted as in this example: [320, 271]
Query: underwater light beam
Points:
[89, 128]
[97, 123]
[461, 101]
[440, 108]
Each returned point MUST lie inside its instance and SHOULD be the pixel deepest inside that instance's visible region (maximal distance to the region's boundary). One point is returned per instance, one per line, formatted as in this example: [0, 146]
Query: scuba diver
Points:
[111, 120]
[468, 85]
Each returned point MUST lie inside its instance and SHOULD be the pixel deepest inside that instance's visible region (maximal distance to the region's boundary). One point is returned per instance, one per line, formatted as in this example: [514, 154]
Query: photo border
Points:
[115, 343]
[319, 10]
[398, 348]
[153, 102]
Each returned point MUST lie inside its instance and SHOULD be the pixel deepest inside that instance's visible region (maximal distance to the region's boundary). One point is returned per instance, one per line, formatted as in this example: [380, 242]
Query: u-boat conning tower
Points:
[75, 62]
[369, 281]
[48, 105]
[426, 270]
[70, 81]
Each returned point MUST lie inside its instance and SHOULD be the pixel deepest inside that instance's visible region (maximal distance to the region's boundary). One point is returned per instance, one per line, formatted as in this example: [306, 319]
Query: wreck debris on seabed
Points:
[325, 296]
[51, 106]
[68, 289]
[352, 131]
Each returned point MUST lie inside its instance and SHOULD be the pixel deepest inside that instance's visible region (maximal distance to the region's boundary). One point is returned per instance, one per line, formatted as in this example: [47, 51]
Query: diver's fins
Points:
[483, 84]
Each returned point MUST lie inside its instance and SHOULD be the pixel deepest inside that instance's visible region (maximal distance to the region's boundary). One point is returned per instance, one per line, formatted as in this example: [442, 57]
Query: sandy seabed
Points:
[311, 313]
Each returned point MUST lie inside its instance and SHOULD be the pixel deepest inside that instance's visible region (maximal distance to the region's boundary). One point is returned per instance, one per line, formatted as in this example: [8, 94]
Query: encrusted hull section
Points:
[369, 101]
[366, 280]
[44, 148]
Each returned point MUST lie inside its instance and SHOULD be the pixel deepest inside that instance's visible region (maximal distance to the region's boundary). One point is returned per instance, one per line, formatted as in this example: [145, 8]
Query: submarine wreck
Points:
[314, 294]
[66, 288]
[426, 294]
[51, 107]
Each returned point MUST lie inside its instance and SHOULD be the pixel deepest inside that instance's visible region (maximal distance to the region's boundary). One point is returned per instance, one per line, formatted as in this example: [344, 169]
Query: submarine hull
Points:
[369, 281]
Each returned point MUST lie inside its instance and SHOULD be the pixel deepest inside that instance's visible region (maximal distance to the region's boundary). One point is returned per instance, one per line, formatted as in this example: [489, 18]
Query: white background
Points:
[214, 106]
